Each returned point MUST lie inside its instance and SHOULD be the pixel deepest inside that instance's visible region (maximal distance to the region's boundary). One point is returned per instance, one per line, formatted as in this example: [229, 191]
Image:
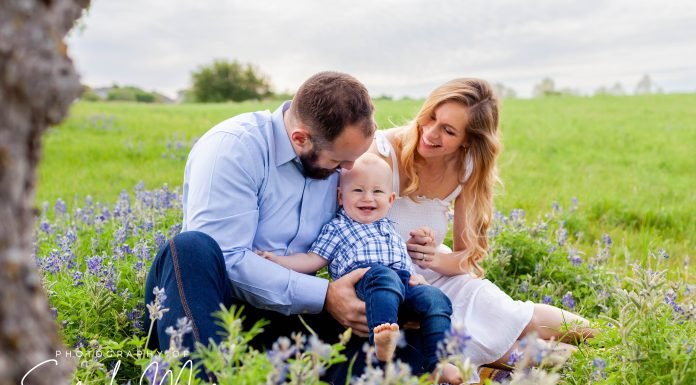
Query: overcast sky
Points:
[394, 47]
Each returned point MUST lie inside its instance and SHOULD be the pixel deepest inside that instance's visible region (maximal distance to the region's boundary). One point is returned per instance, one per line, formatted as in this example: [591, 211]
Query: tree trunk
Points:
[37, 85]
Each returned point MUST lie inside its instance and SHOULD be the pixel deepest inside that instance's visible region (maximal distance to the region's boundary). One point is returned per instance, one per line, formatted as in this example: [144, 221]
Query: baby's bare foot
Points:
[386, 338]
[448, 374]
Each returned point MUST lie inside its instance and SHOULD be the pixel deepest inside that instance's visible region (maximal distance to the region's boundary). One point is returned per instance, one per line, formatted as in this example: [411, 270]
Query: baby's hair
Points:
[369, 160]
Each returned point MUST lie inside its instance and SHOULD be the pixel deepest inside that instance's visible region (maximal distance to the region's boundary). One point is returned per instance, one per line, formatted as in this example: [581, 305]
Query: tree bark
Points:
[37, 85]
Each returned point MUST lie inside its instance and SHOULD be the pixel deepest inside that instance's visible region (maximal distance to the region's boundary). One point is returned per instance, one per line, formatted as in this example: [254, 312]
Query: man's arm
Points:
[224, 175]
[301, 262]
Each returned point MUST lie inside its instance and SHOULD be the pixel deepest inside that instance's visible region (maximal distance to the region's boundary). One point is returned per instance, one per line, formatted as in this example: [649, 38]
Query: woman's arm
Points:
[300, 262]
[424, 252]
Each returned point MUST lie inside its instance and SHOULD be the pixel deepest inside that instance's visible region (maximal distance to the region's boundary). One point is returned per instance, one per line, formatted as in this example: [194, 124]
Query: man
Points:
[262, 181]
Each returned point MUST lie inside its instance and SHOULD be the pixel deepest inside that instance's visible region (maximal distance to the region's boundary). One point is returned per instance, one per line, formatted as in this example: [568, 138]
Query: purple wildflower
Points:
[94, 265]
[60, 207]
[515, 357]
[568, 301]
[547, 300]
[561, 236]
[159, 239]
[607, 240]
[45, 226]
[77, 278]
[575, 259]
[157, 370]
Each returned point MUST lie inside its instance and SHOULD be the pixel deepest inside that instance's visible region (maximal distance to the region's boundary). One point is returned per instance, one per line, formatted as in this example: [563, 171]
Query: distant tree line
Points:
[547, 87]
[233, 81]
[123, 94]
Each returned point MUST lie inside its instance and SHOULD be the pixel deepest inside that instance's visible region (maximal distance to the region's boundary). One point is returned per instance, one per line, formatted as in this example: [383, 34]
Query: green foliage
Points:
[133, 94]
[224, 81]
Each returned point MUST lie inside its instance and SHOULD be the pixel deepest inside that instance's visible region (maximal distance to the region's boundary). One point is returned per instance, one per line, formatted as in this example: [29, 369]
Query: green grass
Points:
[629, 160]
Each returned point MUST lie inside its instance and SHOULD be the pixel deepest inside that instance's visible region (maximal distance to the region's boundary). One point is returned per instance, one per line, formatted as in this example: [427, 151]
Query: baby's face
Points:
[366, 192]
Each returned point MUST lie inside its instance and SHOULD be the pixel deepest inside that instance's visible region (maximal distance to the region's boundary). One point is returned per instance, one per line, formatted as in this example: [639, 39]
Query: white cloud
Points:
[394, 47]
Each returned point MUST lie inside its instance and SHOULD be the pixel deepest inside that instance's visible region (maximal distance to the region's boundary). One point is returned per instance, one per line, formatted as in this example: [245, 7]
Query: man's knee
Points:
[195, 247]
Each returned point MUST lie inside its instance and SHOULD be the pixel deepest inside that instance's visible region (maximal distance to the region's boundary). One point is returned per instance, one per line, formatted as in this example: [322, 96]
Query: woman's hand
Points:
[421, 247]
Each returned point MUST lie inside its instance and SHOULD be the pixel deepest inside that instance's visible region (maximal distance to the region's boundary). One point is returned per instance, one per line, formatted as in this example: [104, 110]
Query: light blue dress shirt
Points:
[244, 187]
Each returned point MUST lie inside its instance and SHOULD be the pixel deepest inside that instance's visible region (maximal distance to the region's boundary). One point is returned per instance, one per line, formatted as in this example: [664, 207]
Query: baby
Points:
[359, 236]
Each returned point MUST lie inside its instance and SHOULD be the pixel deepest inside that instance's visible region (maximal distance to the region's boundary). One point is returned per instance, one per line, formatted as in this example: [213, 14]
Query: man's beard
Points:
[311, 170]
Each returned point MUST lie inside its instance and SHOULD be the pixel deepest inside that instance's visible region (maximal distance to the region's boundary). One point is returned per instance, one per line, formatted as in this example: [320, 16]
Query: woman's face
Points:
[443, 133]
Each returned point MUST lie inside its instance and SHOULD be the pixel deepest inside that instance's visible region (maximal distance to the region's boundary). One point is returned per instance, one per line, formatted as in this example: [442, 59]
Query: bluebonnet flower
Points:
[555, 207]
[156, 308]
[110, 285]
[598, 371]
[52, 262]
[159, 239]
[280, 353]
[515, 356]
[524, 287]
[157, 370]
[607, 240]
[174, 230]
[455, 342]
[77, 278]
[568, 301]
[574, 257]
[94, 265]
[45, 226]
[60, 207]
[547, 300]
[561, 236]
[176, 336]
[80, 343]
[516, 215]
[318, 347]
[671, 299]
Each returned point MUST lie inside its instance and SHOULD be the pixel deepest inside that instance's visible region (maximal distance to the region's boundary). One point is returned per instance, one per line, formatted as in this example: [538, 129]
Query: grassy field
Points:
[582, 167]
[629, 161]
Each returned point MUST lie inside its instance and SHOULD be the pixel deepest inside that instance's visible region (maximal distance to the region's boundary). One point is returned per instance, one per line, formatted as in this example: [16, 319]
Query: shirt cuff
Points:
[309, 293]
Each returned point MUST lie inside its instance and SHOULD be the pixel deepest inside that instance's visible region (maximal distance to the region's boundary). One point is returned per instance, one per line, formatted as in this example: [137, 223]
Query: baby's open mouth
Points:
[366, 209]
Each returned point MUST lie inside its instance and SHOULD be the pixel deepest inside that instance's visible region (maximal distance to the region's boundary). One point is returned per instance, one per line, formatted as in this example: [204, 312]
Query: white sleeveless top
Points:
[492, 319]
[409, 215]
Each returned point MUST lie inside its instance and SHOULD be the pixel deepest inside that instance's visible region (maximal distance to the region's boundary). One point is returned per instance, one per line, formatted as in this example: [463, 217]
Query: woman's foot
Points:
[386, 338]
[447, 374]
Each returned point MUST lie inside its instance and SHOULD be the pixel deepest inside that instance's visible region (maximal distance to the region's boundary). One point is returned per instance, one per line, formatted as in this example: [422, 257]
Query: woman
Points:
[446, 156]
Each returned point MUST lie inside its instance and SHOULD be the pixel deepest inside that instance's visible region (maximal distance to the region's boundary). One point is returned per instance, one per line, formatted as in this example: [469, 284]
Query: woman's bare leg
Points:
[550, 322]
[557, 354]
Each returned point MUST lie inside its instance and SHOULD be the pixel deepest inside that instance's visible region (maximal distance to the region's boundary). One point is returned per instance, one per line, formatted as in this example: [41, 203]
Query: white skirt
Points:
[492, 319]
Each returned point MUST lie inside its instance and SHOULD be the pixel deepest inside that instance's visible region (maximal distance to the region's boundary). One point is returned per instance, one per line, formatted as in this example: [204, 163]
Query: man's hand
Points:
[344, 305]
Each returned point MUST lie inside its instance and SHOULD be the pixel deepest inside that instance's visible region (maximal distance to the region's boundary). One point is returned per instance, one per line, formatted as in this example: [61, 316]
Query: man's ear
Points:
[339, 197]
[300, 137]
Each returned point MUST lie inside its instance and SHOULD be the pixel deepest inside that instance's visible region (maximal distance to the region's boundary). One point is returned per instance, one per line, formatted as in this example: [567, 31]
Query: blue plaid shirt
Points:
[348, 245]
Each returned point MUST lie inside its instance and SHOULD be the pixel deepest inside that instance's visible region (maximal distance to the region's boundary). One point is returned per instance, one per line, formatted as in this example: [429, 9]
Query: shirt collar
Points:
[284, 152]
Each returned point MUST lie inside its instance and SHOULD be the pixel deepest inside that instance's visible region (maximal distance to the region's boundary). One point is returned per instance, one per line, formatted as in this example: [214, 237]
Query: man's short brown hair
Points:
[328, 102]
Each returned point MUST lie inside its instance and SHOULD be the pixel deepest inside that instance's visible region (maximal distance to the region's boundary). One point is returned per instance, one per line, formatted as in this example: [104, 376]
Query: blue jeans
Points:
[389, 298]
[191, 270]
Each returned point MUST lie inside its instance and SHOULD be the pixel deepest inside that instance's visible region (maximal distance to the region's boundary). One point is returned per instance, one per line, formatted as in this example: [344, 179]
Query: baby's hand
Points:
[266, 254]
[417, 279]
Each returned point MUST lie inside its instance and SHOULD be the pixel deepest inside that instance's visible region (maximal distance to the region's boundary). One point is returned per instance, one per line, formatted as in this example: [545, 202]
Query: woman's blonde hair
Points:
[482, 146]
